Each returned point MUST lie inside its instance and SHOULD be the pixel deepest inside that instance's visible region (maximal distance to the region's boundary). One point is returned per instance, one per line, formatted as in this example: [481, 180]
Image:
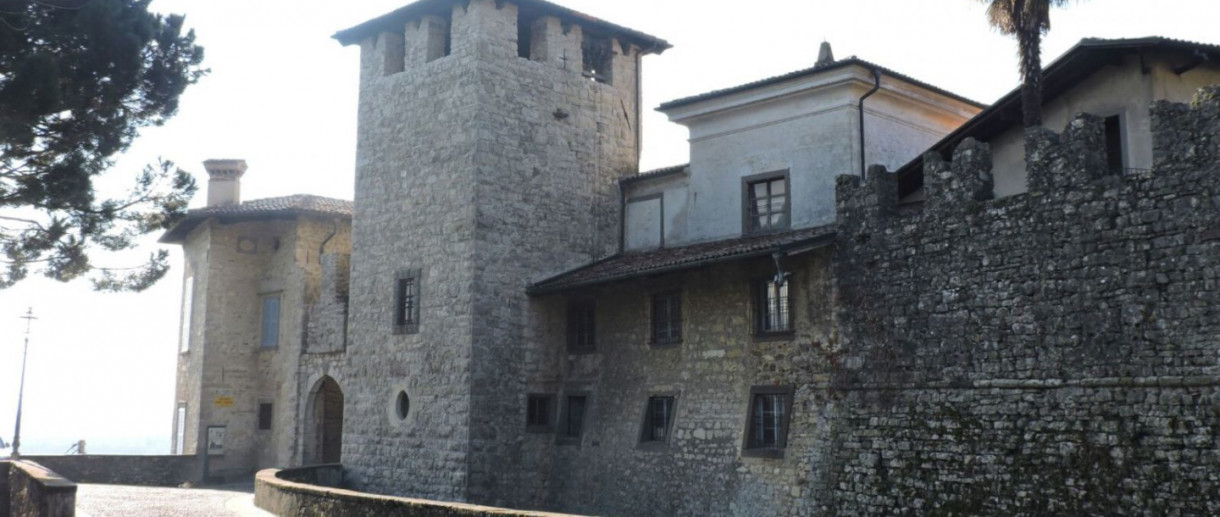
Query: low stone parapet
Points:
[167, 470]
[31, 490]
[284, 493]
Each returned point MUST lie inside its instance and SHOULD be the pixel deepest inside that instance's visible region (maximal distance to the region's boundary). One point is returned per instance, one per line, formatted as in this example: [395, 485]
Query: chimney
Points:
[825, 56]
[224, 181]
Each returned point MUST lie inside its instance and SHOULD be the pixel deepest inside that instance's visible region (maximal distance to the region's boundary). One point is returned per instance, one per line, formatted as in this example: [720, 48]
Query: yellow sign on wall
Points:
[224, 401]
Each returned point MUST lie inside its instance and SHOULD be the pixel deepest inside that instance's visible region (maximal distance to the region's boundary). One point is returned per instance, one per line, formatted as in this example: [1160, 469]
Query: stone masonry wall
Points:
[1053, 353]
[701, 470]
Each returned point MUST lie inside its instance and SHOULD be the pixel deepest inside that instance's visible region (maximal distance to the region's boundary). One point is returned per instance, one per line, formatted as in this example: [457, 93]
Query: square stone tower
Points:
[492, 135]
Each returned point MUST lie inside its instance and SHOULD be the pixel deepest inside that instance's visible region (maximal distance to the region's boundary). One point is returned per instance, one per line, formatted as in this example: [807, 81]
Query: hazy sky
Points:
[282, 95]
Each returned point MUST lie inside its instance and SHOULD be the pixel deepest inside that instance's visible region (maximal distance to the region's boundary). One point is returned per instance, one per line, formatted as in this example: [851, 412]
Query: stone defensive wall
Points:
[169, 470]
[28, 489]
[1050, 353]
[316, 491]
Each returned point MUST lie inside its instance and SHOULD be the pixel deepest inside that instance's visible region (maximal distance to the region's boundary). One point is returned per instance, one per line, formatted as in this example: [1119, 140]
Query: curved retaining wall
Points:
[31, 490]
[292, 493]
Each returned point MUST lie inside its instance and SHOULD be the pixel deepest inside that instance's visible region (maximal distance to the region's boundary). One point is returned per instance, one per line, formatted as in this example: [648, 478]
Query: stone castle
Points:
[510, 313]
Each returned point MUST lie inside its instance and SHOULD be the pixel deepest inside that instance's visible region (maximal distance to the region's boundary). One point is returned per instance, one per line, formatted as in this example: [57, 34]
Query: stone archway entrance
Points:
[325, 427]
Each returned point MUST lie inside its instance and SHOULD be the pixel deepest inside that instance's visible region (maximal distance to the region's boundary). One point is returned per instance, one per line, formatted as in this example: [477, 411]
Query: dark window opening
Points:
[538, 412]
[598, 59]
[1114, 145]
[667, 318]
[439, 36]
[271, 322]
[402, 405]
[767, 204]
[658, 418]
[525, 36]
[767, 424]
[581, 327]
[772, 308]
[406, 302]
[264, 416]
[574, 418]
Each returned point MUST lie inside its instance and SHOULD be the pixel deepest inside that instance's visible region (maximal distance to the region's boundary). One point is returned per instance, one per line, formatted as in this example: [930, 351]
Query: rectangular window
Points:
[658, 418]
[772, 309]
[767, 423]
[188, 299]
[573, 419]
[667, 318]
[406, 301]
[538, 413]
[264, 416]
[1114, 145]
[180, 429]
[581, 327]
[766, 202]
[598, 58]
[271, 322]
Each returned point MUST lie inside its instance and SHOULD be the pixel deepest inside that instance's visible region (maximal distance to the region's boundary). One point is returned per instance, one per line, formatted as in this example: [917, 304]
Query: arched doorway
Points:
[325, 423]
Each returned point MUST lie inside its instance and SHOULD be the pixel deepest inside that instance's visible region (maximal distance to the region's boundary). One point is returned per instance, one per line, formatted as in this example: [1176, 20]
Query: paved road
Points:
[136, 501]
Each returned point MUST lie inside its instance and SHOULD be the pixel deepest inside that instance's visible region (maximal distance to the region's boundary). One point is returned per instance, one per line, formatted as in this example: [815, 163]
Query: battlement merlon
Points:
[427, 30]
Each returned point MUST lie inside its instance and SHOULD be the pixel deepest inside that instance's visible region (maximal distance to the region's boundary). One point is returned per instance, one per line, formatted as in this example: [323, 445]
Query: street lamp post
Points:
[29, 318]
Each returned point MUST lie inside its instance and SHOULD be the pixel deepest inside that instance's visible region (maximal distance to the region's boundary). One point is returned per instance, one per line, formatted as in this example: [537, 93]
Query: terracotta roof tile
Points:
[634, 264]
[259, 208]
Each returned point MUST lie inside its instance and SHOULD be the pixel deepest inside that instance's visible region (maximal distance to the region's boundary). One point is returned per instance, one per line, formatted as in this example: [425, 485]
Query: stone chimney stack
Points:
[224, 181]
[825, 56]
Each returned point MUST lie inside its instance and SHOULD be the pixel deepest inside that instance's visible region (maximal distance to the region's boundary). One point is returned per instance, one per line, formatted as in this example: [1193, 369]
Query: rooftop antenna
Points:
[29, 318]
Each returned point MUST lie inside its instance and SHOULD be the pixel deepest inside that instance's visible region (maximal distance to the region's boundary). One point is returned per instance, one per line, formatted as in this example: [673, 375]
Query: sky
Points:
[282, 95]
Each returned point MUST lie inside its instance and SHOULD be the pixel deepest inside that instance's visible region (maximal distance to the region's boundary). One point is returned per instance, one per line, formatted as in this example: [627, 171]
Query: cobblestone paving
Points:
[136, 501]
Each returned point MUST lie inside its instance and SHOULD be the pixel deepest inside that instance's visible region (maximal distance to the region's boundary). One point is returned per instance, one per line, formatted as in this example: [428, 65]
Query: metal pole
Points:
[29, 317]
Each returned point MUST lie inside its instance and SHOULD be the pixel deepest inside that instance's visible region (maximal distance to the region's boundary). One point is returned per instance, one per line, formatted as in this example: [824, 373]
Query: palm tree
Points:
[1028, 20]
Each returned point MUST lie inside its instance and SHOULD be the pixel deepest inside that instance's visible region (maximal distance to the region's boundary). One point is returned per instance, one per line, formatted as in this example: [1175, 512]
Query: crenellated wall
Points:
[1047, 353]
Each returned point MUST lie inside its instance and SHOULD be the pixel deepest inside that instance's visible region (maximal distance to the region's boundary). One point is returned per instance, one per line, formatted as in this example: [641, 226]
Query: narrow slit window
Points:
[264, 416]
[1114, 145]
[406, 301]
[271, 322]
[667, 318]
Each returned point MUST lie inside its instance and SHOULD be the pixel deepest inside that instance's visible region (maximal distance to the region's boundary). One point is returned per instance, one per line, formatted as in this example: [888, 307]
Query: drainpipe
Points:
[876, 86]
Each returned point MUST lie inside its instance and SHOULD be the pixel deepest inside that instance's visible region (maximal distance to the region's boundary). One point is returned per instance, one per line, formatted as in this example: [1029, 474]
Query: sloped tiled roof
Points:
[293, 205]
[811, 71]
[394, 20]
[655, 173]
[1077, 64]
[624, 266]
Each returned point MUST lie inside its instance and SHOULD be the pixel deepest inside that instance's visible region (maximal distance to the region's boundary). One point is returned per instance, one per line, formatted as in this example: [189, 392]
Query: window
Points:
[271, 321]
[767, 423]
[188, 299]
[180, 429]
[573, 419]
[658, 418]
[598, 58]
[580, 327]
[402, 405]
[538, 413]
[667, 318]
[772, 308]
[766, 202]
[1114, 145]
[264, 416]
[406, 301]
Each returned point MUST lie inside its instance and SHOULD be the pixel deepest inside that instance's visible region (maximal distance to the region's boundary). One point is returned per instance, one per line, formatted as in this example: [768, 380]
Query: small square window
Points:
[767, 422]
[667, 318]
[766, 203]
[539, 411]
[658, 420]
[572, 425]
[271, 322]
[406, 301]
[264, 416]
[581, 327]
[772, 307]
